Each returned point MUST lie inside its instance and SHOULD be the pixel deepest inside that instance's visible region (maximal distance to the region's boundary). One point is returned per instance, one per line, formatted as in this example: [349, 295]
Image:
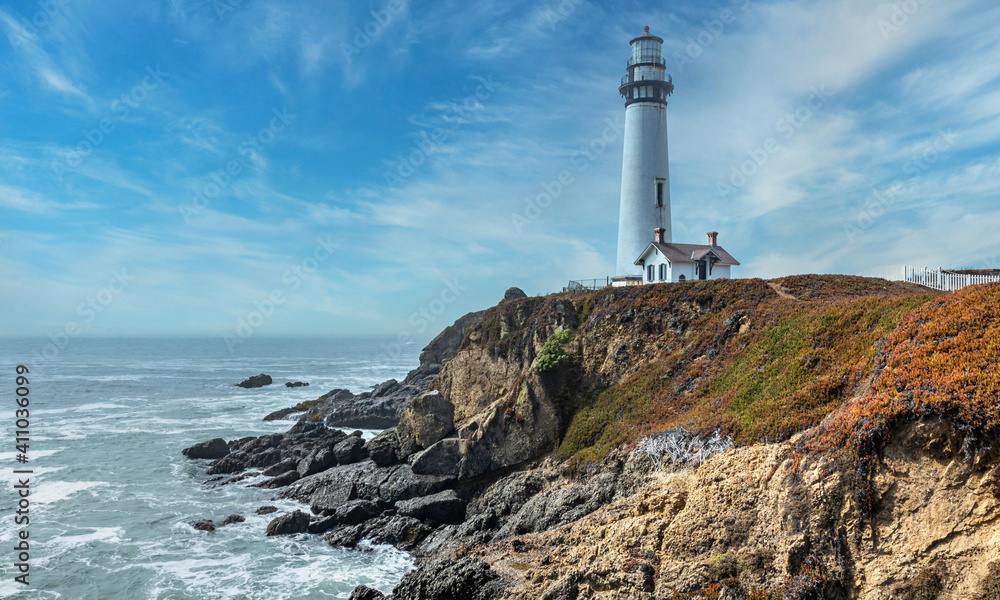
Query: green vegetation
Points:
[552, 355]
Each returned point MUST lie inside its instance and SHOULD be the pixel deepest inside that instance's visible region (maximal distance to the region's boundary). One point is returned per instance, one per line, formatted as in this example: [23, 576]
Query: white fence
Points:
[932, 278]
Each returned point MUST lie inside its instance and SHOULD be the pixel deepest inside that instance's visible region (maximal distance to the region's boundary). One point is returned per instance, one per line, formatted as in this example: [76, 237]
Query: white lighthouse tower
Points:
[645, 200]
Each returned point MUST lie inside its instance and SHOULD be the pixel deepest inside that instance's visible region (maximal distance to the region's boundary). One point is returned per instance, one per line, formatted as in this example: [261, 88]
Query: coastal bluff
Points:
[804, 437]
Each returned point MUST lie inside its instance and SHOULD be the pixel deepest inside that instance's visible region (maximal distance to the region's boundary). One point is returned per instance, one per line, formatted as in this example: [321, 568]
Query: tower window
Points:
[659, 193]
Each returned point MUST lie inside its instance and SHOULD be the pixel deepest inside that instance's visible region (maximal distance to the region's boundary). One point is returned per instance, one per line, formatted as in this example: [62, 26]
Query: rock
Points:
[385, 388]
[256, 381]
[384, 448]
[289, 464]
[345, 536]
[396, 530]
[295, 384]
[445, 507]
[213, 449]
[325, 491]
[513, 293]
[231, 519]
[357, 511]
[317, 461]
[363, 592]
[295, 522]
[350, 450]
[441, 458]
[203, 525]
[282, 449]
[466, 579]
[281, 414]
[266, 510]
[279, 481]
[428, 419]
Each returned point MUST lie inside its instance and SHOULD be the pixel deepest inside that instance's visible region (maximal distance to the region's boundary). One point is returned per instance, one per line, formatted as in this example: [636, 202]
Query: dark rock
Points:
[396, 530]
[464, 579]
[350, 450]
[353, 512]
[289, 464]
[513, 293]
[441, 458]
[344, 536]
[233, 519]
[363, 592]
[256, 381]
[203, 525]
[296, 522]
[445, 507]
[385, 388]
[286, 478]
[266, 510]
[295, 384]
[384, 448]
[281, 414]
[213, 449]
[317, 461]
[325, 491]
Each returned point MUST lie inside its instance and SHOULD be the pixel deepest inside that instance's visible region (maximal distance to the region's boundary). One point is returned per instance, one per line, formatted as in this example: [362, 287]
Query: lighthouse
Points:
[645, 199]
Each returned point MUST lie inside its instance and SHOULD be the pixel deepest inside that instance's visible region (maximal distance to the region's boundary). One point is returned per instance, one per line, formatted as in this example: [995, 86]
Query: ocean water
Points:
[111, 494]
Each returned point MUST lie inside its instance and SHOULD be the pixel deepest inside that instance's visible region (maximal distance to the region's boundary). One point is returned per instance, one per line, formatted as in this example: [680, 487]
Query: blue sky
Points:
[231, 167]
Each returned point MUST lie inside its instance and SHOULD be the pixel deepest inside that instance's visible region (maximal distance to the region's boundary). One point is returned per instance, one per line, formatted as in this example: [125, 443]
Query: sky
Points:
[239, 168]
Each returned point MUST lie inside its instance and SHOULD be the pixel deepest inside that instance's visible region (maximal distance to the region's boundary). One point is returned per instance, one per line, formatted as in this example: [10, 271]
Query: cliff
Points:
[804, 437]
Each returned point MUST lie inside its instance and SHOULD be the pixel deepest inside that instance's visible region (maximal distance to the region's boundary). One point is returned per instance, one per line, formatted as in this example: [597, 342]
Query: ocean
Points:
[111, 495]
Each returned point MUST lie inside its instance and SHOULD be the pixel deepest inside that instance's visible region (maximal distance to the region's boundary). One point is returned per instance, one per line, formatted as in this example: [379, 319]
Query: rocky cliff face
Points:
[864, 416]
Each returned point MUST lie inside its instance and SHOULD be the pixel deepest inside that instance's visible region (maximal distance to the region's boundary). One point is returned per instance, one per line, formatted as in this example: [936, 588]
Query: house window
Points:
[682, 278]
[663, 272]
[651, 273]
[659, 193]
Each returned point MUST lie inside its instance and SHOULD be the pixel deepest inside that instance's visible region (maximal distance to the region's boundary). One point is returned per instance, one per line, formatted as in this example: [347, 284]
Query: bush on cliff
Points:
[552, 353]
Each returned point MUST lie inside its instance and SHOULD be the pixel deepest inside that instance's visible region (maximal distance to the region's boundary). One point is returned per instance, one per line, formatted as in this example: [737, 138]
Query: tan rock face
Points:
[429, 418]
[758, 513]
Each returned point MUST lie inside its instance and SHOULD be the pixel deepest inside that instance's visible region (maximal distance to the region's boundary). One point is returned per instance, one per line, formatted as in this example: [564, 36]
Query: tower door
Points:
[701, 269]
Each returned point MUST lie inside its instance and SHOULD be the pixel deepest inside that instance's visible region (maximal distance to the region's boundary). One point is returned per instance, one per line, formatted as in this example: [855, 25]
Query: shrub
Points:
[552, 352]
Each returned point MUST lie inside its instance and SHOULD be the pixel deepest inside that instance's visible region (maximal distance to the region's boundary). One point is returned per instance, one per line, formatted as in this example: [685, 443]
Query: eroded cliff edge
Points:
[864, 416]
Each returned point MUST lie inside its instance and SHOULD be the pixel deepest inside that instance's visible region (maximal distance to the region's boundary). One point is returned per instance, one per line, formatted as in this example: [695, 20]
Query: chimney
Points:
[713, 239]
[658, 235]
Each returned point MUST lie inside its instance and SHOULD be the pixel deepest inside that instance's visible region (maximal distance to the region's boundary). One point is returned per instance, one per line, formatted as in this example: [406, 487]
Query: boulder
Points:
[295, 522]
[429, 418]
[256, 381]
[203, 525]
[318, 461]
[384, 448]
[213, 449]
[286, 478]
[445, 507]
[350, 450]
[325, 491]
[295, 384]
[289, 464]
[513, 293]
[363, 592]
[233, 519]
[442, 458]
[266, 510]
[467, 578]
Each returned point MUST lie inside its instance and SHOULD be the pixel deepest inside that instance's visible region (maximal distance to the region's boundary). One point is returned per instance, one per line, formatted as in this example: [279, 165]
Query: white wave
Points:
[111, 535]
[57, 491]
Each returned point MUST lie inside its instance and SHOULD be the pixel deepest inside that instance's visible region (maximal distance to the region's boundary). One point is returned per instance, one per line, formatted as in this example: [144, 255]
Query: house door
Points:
[701, 269]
